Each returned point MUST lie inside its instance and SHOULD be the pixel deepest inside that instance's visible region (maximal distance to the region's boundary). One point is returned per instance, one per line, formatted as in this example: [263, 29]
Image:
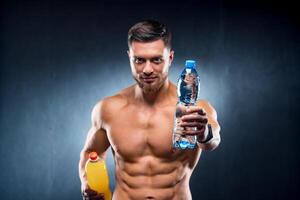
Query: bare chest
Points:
[135, 132]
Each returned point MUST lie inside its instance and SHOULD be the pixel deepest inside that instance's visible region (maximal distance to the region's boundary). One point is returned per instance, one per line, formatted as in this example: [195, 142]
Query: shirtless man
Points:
[137, 124]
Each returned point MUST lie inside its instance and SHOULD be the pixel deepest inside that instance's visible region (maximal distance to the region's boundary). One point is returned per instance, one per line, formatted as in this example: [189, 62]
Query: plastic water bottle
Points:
[188, 88]
[97, 175]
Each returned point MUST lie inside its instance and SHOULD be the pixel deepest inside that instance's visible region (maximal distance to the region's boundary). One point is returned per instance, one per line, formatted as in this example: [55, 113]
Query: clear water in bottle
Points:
[188, 88]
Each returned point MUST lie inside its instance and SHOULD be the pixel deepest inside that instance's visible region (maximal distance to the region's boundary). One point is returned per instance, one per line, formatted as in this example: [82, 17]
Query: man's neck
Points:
[152, 98]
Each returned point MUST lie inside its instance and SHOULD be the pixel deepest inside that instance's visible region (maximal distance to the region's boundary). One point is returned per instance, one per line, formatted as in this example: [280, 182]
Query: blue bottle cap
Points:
[190, 64]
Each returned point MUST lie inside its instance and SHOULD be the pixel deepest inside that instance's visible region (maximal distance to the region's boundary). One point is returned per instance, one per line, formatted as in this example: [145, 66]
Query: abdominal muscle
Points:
[152, 178]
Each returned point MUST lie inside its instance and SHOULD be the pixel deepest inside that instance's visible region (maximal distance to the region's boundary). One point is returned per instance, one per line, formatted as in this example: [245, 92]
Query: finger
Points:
[180, 110]
[90, 191]
[192, 124]
[97, 197]
[194, 118]
[88, 197]
[192, 132]
[101, 195]
[199, 110]
[89, 194]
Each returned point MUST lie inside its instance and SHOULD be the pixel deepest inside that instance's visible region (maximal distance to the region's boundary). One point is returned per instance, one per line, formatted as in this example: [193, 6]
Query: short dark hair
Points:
[148, 31]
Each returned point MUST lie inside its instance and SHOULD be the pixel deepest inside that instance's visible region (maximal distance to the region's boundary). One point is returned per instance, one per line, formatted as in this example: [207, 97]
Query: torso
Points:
[147, 167]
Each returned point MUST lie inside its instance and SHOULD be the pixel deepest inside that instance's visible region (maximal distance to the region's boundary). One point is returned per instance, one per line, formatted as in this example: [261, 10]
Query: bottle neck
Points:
[96, 160]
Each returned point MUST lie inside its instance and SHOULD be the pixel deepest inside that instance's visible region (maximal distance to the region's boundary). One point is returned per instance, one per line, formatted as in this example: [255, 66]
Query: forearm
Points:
[214, 142]
[84, 156]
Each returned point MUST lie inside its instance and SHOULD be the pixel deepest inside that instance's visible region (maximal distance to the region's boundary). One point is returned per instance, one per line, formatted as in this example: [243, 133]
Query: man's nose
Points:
[148, 68]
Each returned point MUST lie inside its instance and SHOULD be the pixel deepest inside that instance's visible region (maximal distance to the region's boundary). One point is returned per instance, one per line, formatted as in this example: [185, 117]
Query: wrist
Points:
[208, 135]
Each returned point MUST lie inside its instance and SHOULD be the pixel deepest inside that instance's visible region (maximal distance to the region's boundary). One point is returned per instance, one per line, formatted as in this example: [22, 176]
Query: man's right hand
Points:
[89, 194]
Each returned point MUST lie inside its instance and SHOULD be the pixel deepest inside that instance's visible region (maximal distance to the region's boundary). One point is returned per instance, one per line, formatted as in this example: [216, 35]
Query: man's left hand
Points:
[195, 116]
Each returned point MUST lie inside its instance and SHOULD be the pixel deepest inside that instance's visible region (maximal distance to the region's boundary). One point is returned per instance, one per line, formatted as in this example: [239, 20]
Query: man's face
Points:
[150, 62]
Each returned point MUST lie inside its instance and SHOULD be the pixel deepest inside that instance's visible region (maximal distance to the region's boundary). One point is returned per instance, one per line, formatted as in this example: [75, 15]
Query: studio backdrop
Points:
[59, 58]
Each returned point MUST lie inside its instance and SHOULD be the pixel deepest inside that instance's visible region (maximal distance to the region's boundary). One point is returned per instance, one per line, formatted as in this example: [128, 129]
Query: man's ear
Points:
[171, 56]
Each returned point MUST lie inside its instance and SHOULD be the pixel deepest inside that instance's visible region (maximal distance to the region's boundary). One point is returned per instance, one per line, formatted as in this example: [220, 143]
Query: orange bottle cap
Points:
[93, 155]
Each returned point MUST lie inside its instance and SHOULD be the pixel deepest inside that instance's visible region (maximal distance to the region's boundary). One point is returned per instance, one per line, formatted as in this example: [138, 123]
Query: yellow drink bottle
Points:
[97, 175]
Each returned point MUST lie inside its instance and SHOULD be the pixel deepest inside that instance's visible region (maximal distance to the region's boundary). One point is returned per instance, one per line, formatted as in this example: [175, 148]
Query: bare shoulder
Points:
[207, 107]
[105, 108]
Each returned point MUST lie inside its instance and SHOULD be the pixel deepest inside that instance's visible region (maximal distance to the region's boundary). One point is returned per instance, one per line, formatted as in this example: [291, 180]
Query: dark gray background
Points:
[59, 58]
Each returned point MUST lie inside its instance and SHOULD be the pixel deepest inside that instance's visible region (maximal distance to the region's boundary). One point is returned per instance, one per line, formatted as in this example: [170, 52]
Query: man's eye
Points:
[157, 60]
[139, 60]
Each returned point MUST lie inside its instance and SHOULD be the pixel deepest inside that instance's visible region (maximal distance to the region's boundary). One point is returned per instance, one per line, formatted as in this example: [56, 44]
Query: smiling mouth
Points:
[149, 80]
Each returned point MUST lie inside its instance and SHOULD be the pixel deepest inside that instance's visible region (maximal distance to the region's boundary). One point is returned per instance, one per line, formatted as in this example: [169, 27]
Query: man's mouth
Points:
[149, 79]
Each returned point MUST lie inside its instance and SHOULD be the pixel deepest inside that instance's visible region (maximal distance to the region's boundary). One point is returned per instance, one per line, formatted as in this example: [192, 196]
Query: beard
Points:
[152, 87]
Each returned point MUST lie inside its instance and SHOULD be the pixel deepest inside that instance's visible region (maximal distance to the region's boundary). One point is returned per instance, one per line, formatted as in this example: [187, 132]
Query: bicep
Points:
[97, 139]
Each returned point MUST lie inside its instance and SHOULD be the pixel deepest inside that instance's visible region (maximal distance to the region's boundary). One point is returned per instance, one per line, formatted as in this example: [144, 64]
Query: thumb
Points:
[86, 189]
